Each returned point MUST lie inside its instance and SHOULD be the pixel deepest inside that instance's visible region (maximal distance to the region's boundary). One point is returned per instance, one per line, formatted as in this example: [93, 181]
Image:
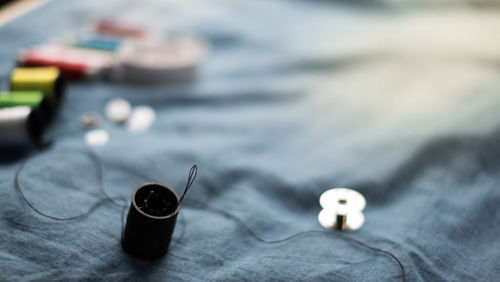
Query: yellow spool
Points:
[44, 79]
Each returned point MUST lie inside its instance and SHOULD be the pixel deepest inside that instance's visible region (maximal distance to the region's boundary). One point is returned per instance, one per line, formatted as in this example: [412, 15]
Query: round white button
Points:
[141, 119]
[118, 110]
[97, 137]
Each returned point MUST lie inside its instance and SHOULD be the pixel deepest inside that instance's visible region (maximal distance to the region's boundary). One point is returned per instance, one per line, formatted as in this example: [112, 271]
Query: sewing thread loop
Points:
[106, 198]
[192, 176]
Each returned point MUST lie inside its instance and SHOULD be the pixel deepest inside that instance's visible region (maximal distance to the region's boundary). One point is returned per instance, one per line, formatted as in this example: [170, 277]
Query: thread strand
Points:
[192, 175]
[242, 224]
[107, 198]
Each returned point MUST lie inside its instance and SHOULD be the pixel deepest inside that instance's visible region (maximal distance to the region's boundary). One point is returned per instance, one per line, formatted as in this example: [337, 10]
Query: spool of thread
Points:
[75, 63]
[150, 221]
[20, 98]
[159, 61]
[21, 126]
[44, 79]
[99, 43]
[71, 69]
[33, 99]
[342, 209]
[114, 28]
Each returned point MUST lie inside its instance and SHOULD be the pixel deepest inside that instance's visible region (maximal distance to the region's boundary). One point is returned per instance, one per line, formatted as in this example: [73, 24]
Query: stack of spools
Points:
[27, 109]
[120, 52]
[103, 50]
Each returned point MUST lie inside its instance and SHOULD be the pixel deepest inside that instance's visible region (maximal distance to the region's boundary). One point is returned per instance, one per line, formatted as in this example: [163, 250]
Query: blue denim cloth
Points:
[296, 97]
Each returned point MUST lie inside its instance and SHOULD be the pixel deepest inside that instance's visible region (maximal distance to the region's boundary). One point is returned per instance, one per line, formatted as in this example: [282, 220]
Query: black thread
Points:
[192, 175]
[242, 224]
[107, 198]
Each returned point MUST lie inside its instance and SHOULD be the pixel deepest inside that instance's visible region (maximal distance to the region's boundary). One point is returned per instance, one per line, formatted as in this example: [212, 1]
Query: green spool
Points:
[20, 98]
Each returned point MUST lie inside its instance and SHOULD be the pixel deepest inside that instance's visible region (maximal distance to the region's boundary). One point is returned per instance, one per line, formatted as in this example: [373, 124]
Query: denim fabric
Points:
[398, 102]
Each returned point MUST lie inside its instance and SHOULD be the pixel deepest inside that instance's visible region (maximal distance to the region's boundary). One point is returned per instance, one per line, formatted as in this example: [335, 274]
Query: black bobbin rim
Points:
[152, 216]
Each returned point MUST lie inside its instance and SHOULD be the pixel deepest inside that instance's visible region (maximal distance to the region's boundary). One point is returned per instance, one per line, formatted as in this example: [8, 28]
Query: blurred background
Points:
[396, 99]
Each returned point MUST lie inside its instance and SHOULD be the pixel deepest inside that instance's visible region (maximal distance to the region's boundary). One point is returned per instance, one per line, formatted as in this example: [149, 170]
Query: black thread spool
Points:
[150, 221]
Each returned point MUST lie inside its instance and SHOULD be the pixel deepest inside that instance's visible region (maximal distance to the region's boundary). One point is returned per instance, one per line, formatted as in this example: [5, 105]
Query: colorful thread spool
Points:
[20, 98]
[103, 44]
[110, 27]
[74, 63]
[33, 99]
[44, 79]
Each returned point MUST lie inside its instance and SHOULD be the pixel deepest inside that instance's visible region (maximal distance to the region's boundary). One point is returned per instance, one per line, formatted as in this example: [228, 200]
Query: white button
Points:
[97, 137]
[141, 119]
[118, 110]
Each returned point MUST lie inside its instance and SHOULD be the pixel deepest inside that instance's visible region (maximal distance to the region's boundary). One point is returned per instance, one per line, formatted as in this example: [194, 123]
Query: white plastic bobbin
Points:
[342, 209]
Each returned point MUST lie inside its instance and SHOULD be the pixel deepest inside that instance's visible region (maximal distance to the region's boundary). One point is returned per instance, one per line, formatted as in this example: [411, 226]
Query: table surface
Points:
[396, 100]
